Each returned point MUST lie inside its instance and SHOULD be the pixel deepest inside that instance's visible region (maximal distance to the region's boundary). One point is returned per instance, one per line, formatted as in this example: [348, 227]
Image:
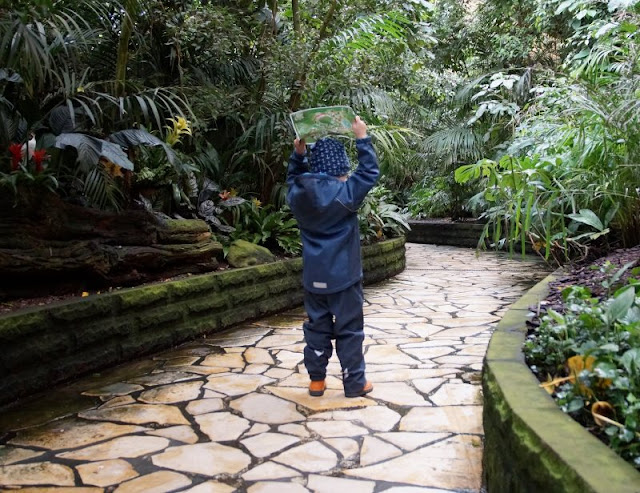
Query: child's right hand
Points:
[359, 128]
[300, 147]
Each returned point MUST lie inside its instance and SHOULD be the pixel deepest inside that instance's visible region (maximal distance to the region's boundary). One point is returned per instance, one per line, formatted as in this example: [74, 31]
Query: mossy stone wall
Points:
[463, 234]
[530, 444]
[42, 346]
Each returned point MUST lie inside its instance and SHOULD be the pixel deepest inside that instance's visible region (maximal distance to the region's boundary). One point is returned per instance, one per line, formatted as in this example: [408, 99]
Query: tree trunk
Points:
[126, 28]
[301, 77]
[48, 245]
[295, 8]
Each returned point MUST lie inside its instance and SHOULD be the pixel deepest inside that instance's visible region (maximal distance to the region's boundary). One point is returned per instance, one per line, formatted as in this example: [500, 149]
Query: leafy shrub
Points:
[379, 219]
[590, 354]
[440, 196]
[429, 201]
[214, 204]
[273, 229]
[547, 203]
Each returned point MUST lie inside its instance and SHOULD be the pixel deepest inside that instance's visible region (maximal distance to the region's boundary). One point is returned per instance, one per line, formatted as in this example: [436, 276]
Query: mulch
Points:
[591, 275]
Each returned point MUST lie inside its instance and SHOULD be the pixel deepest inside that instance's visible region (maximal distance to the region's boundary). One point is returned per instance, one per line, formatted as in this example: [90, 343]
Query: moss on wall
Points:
[42, 346]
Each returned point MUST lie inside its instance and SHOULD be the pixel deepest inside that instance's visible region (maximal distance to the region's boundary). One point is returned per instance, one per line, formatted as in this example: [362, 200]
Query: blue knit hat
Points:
[328, 156]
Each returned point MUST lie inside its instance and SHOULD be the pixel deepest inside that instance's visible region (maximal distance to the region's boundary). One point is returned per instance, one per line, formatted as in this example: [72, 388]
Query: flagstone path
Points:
[231, 412]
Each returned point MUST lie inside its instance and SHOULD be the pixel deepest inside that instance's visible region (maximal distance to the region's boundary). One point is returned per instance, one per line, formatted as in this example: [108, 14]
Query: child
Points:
[324, 200]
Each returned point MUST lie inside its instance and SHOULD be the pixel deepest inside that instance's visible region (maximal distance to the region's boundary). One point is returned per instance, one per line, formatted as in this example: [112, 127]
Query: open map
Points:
[314, 123]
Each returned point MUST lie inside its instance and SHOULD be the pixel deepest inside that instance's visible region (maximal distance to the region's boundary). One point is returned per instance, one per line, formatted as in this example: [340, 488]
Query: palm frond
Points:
[456, 143]
[367, 29]
[467, 91]
[101, 190]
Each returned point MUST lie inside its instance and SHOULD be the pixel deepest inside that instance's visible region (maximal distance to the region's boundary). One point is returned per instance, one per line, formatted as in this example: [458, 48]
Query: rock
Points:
[243, 253]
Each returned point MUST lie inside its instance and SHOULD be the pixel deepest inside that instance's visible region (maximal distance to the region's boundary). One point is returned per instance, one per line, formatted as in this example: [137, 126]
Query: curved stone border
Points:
[530, 444]
[42, 346]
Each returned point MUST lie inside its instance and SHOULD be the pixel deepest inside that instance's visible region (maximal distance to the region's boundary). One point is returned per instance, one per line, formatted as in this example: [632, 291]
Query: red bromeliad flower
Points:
[16, 156]
[38, 157]
[225, 195]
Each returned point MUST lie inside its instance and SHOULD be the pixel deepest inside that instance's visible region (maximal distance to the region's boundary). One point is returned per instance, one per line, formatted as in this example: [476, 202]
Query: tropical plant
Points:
[588, 357]
[53, 86]
[573, 161]
[379, 219]
[214, 204]
[276, 230]
[438, 196]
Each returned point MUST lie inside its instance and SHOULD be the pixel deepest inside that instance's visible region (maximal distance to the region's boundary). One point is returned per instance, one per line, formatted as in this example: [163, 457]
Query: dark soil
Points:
[8, 306]
[13, 305]
[583, 274]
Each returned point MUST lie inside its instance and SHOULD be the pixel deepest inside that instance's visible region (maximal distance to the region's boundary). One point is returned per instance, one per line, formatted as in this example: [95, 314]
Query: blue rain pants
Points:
[336, 316]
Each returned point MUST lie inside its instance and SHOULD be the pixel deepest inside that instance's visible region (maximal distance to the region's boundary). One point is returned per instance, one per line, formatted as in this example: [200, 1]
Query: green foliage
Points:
[595, 344]
[439, 196]
[570, 177]
[55, 83]
[27, 174]
[430, 200]
[441, 84]
[379, 219]
[273, 229]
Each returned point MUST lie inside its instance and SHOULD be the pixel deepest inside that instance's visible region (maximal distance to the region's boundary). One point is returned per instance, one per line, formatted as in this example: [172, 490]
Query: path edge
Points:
[530, 444]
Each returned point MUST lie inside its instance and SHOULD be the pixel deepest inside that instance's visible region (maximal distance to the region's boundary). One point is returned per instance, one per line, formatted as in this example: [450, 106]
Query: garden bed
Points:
[585, 348]
[530, 444]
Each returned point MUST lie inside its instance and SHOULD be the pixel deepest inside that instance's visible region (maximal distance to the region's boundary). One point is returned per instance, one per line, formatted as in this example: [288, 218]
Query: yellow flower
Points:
[256, 202]
[575, 365]
[179, 126]
[578, 363]
[182, 125]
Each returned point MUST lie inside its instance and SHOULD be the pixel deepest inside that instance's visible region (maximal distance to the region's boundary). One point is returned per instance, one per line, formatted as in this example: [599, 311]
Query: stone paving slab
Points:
[231, 412]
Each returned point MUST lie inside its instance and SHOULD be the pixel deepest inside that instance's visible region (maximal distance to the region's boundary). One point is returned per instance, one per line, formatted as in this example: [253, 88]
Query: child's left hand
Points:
[300, 146]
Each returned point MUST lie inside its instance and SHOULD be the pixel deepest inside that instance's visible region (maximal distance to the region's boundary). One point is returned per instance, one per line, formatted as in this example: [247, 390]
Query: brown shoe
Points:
[316, 388]
[368, 387]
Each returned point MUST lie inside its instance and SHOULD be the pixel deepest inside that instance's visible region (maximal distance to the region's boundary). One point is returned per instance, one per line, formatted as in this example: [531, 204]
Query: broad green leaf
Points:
[620, 305]
[90, 149]
[611, 347]
[467, 172]
[136, 137]
[575, 405]
[631, 360]
[564, 6]
[620, 4]
[587, 216]
[616, 277]
[632, 316]
[606, 370]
